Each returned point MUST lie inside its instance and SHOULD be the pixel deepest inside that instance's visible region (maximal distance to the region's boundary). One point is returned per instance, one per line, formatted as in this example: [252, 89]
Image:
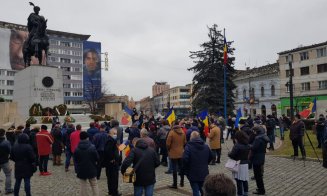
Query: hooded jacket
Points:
[86, 158]
[176, 141]
[189, 132]
[23, 156]
[258, 148]
[214, 137]
[44, 141]
[5, 148]
[196, 158]
[145, 173]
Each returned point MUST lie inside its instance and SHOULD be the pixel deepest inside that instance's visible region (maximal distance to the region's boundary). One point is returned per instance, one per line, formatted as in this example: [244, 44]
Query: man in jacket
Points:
[257, 157]
[196, 158]
[44, 141]
[86, 157]
[162, 136]
[66, 139]
[296, 135]
[99, 140]
[176, 141]
[271, 125]
[145, 136]
[74, 141]
[320, 128]
[194, 127]
[5, 148]
[144, 160]
[133, 132]
[112, 161]
[214, 143]
[92, 131]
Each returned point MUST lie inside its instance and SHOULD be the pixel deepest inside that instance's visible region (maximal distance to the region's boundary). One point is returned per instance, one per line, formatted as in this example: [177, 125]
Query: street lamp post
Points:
[291, 86]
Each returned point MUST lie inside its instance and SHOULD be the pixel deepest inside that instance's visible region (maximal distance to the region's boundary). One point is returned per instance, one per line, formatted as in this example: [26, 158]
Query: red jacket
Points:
[44, 141]
[74, 140]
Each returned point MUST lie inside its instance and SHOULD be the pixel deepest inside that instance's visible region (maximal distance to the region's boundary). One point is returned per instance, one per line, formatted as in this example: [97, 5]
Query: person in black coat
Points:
[112, 161]
[257, 157]
[5, 148]
[66, 141]
[196, 157]
[24, 157]
[86, 158]
[145, 173]
[57, 145]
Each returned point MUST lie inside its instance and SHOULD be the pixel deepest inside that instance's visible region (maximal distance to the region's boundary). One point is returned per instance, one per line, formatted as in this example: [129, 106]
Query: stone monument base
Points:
[38, 84]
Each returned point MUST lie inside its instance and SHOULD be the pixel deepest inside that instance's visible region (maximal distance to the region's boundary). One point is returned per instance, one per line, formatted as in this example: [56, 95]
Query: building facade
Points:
[257, 90]
[66, 52]
[309, 64]
[179, 98]
[159, 87]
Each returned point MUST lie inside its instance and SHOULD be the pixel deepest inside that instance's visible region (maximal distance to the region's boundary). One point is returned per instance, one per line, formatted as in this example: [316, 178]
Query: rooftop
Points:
[14, 26]
[302, 48]
[257, 71]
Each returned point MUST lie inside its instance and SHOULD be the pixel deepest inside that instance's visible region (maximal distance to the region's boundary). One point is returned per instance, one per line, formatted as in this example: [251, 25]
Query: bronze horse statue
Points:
[38, 42]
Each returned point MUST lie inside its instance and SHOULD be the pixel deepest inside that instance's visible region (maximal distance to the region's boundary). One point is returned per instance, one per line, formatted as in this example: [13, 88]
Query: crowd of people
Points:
[184, 147]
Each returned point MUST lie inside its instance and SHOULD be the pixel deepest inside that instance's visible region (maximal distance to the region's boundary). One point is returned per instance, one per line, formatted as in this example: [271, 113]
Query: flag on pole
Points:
[225, 51]
[238, 116]
[204, 117]
[127, 117]
[170, 116]
[311, 109]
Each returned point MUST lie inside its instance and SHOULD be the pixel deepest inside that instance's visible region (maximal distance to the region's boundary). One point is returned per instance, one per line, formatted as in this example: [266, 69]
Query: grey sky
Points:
[150, 40]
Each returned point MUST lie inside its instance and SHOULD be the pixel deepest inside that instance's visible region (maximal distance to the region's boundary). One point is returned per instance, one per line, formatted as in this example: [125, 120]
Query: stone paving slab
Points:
[281, 176]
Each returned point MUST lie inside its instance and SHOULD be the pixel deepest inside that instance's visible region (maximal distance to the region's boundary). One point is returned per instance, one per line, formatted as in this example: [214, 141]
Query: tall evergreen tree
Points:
[208, 81]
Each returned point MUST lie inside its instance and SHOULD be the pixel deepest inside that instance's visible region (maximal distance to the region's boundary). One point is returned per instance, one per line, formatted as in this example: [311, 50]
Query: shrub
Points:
[31, 120]
[46, 120]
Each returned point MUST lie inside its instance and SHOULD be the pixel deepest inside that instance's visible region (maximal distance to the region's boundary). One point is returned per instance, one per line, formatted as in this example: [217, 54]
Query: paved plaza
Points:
[282, 177]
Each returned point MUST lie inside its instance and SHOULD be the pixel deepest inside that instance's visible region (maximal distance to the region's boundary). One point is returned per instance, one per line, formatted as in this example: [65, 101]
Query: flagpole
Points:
[225, 89]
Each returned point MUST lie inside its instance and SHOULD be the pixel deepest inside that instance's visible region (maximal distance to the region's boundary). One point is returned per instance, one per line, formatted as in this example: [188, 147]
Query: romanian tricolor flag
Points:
[170, 116]
[204, 117]
[127, 116]
[311, 109]
[225, 51]
[125, 147]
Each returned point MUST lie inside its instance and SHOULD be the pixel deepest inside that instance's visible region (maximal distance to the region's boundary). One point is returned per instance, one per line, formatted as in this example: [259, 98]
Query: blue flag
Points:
[238, 116]
[203, 115]
[128, 111]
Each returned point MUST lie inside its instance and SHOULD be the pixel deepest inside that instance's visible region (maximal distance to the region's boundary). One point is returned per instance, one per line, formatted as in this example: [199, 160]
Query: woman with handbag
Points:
[240, 153]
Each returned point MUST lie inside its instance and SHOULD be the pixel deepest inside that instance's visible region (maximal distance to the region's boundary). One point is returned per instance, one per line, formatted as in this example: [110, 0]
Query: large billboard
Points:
[11, 49]
[91, 70]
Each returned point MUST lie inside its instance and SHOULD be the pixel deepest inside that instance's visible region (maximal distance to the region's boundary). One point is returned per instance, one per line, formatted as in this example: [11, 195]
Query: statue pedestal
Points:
[38, 84]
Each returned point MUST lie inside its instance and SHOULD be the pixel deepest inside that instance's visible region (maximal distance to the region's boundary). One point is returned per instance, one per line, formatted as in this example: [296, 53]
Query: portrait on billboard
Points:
[12, 42]
[92, 63]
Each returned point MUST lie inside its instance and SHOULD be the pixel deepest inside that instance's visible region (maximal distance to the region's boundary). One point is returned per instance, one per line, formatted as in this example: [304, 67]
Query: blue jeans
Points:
[6, 169]
[197, 188]
[27, 185]
[170, 165]
[281, 131]
[138, 190]
[68, 157]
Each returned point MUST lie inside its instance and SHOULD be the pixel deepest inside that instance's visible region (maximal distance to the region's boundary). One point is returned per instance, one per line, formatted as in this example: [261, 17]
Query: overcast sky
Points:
[150, 40]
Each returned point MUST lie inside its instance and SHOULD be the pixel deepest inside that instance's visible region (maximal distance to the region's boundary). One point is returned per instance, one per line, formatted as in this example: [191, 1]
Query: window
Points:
[53, 59]
[10, 73]
[76, 45]
[262, 91]
[272, 90]
[252, 92]
[77, 53]
[305, 86]
[54, 42]
[288, 59]
[305, 71]
[77, 85]
[323, 84]
[66, 52]
[244, 93]
[322, 68]
[77, 69]
[77, 94]
[288, 73]
[10, 92]
[77, 102]
[54, 51]
[2, 82]
[66, 44]
[2, 72]
[10, 83]
[66, 68]
[2, 91]
[76, 77]
[64, 60]
[67, 102]
[184, 97]
[66, 85]
[67, 94]
[288, 87]
[321, 52]
[184, 90]
[304, 56]
[77, 61]
[67, 77]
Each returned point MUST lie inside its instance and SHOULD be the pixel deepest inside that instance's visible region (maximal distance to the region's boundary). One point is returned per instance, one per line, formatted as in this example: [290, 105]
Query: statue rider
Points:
[32, 23]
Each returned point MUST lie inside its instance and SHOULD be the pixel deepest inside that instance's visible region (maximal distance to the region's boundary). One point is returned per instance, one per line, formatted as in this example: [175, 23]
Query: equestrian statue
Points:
[38, 40]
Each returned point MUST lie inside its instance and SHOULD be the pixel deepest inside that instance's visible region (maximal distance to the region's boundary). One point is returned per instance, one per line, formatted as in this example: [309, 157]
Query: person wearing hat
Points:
[44, 141]
[86, 158]
[99, 140]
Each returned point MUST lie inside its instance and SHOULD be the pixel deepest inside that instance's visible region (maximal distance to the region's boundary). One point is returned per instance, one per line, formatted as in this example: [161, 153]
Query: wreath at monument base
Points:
[31, 120]
[37, 110]
[46, 120]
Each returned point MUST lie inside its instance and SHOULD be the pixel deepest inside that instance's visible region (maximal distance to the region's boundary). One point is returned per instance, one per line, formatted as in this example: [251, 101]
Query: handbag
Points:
[232, 165]
[129, 175]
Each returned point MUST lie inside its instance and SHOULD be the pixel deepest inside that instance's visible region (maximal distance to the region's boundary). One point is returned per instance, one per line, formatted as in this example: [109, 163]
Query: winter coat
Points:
[120, 135]
[10, 137]
[297, 130]
[240, 152]
[44, 141]
[145, 173]
[86, 158]
[66, 137]
[176, 141]
[57, 144]
[133, 132]
[189, 131]
[24, 157]
[33, 139]
[162, 133]
[214, 137]
[258, 149]
[5, 148]
[270, 125]
[74, 140]
[111, 154]
[99, 140]
[196, 158]
[91, 132]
